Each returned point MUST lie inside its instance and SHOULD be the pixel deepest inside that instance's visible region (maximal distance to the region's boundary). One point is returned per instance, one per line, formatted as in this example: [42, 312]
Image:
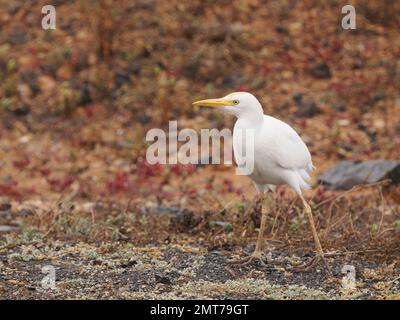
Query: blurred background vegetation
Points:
[76, 102]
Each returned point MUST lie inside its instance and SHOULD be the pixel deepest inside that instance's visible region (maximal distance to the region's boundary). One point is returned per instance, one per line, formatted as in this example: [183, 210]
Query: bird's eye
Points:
[235, 102]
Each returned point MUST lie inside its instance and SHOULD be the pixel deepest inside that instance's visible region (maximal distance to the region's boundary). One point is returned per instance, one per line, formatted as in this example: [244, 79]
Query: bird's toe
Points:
[256, 256]
[312, 263]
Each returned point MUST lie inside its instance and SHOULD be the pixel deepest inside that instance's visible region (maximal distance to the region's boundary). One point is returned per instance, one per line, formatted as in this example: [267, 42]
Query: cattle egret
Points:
[280, 155]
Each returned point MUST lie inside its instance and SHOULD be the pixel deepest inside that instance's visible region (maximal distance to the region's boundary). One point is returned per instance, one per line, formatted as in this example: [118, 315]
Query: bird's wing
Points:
[284, 146]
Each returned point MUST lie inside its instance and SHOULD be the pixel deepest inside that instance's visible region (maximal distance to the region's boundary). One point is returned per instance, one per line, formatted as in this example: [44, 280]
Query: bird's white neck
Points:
[244, 123]
[256, 118]
[253, 115]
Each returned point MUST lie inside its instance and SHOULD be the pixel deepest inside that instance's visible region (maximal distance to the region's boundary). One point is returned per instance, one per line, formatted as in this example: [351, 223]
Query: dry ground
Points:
[169, 253]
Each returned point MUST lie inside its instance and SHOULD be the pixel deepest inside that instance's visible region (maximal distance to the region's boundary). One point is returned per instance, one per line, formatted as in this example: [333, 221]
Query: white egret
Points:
[280, 155]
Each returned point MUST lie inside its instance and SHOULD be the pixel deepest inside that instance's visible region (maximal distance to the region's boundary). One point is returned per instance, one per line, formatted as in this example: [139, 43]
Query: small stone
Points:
[297, 97]
[162, 279]
[5, 206]
[339, 106]
[21, 110]
[308, 109]
[281, 28]
[358, 64]
[143, 118]
[25, 212]
[184, 220]
[305, 108]
[85, 94]
[321, 71]
[346, 174]
[219, 33]
[128, 264]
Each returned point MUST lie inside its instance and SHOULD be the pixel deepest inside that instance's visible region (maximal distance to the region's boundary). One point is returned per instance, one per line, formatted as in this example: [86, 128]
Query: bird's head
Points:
[240, 104]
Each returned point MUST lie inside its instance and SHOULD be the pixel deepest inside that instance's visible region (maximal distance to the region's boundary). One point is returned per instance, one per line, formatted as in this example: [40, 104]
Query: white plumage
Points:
[280, 155]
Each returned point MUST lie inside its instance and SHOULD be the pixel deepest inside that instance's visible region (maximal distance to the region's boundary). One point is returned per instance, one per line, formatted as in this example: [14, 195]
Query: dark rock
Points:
[371, 134]
[219, 33]
[339, 106]
[22, 110]
[143, 118]
[281, 28]
[321, 71]
[145, 53]
[184, 220]
[85, 95]
[347, 174]
[5, 206]
[128, 264]
[305, 108]
[379, 95]
[25, 212]
[189, 30]
[161, 65]
[297, 97]
[308, 109]
[358, 64]
[162, 279]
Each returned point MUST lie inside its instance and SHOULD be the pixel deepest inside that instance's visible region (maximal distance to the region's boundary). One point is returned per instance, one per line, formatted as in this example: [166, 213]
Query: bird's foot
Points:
[255, 256]
[307, 266]
[313, 262]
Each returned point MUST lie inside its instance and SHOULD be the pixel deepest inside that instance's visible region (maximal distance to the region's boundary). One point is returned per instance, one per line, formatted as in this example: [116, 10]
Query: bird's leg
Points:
[257, 254]
[318, 247]
[260, 240]
[309, 213]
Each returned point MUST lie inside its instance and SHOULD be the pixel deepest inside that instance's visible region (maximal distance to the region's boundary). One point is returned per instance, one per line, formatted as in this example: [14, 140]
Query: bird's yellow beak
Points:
[212, 103]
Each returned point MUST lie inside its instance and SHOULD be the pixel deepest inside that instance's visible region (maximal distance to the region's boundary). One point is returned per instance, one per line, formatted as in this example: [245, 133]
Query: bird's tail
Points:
[310, 167]
[303, 179]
